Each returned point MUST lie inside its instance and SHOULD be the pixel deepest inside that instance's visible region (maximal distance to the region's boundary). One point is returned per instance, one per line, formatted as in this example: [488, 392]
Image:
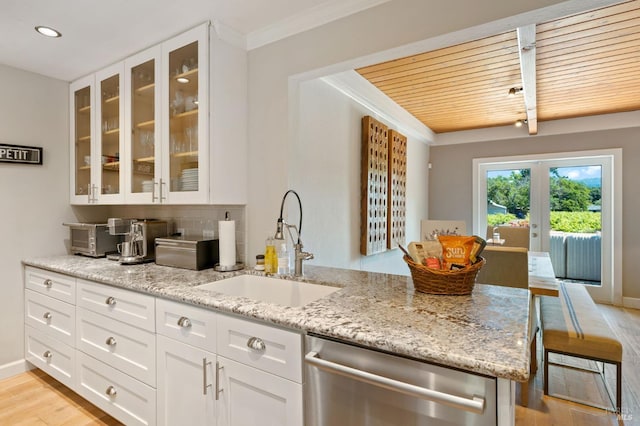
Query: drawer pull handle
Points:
[47, 354]
[47, 315]
[48, 283]
[111, 391]
[184, 322]
[110, 301]
[111, 341]
[256, 344]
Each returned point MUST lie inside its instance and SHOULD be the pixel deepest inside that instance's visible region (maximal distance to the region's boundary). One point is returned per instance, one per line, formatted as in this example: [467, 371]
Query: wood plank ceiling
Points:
[584, 64]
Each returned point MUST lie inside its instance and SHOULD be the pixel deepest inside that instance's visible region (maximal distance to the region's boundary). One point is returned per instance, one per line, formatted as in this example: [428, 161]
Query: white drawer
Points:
[61, 287]
[186, 323]
[274, 350]
[50, 316]
[128, 400]
[127, 306]
[50, 355]
[122, 346]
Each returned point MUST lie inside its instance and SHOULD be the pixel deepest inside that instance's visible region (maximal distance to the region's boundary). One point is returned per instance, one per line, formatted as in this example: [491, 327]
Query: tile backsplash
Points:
[193, 220]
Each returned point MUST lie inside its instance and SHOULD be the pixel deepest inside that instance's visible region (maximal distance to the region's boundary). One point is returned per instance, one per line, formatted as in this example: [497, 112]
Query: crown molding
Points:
[229, 34]
[319, 15]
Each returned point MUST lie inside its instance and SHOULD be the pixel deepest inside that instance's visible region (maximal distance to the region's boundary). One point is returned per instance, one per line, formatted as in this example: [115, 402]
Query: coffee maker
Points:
[138, 245]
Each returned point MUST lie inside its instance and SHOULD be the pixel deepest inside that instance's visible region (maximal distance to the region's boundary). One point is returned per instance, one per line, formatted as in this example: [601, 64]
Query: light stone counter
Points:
[485, 332]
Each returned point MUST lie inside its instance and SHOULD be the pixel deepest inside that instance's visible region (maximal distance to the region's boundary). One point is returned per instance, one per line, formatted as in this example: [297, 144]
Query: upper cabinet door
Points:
[106, 166]
[81, 127]
[185, 106]
[141, 164]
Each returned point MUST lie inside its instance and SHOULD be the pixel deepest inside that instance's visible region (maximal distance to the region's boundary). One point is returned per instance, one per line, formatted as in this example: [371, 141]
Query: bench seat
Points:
[572, 325]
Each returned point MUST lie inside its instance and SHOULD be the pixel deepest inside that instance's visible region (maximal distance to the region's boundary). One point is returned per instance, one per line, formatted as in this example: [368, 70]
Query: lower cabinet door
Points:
[125, 398]
[50, 355]
[249, 397]
[186, 383]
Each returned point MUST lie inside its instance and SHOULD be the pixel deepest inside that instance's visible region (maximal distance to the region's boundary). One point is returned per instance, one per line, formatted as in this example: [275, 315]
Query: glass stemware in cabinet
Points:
[110, 134]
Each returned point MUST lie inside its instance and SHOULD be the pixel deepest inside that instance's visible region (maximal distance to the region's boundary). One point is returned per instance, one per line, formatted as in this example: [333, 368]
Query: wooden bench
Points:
[572, 325]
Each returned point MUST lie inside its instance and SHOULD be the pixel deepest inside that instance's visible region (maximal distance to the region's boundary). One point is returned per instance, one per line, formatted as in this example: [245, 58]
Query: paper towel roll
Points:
[227, 236]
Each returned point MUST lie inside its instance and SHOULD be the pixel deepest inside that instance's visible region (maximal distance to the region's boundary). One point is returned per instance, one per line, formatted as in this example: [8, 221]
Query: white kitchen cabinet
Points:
[97, 138]
[186, 392]
[166, 145]
[125, 398]
[50, 355]
[58, 286]
[249, 397]
[51, 316]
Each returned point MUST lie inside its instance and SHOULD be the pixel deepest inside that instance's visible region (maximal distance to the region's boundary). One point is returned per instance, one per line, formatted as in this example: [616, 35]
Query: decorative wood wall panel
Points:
[397, 189]
[374, 186]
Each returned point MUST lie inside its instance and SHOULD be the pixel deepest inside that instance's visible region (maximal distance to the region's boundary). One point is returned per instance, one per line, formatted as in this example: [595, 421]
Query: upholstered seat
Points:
[505, 266]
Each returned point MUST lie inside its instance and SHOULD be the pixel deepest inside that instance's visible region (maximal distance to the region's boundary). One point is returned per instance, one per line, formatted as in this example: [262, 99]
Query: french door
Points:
[567, 202]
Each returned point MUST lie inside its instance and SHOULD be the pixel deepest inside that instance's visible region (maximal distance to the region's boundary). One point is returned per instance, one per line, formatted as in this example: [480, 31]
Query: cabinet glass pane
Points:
[142, 127]
[183, 118]
[82, 167]
[110, 122]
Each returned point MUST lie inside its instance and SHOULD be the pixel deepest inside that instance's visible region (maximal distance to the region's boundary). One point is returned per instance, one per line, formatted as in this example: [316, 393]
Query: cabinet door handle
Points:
[110, 301]
[89, 193]
[48, 283]
[111, 341]
[184, 322]
[218, 388]
[204, 375]
[47, 355]
[111, 391]
[162, 183]
[47, 315]
[153, 193]
[257, 344]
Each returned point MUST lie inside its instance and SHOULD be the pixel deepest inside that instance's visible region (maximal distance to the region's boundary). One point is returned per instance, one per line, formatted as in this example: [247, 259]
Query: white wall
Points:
[34, 199]
[272, 137]
[326, 166]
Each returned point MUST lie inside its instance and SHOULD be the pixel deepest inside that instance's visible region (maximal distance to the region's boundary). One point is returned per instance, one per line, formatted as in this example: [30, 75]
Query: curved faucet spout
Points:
[299, 254]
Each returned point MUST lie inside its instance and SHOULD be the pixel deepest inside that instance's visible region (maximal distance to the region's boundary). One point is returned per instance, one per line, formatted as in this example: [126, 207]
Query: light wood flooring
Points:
[33, 398]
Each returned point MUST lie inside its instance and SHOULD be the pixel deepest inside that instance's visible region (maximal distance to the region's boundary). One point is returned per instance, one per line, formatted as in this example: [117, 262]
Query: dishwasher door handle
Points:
[475, 405]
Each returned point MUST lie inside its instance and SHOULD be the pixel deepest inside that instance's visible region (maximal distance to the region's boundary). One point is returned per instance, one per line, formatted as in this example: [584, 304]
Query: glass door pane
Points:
[110, 131]
[183, 118]
[575, 222]
[82, 166]
[143, 161]
[508, 200]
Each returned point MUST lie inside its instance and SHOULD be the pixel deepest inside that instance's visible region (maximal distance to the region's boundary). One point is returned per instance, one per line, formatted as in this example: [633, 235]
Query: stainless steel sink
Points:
[271, 290]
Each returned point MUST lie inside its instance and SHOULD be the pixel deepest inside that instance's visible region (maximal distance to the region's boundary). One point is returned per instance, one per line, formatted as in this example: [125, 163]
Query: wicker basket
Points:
[434, 281]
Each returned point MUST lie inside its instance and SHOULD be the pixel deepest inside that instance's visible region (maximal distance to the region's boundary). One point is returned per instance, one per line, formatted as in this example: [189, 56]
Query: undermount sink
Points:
[271, 290]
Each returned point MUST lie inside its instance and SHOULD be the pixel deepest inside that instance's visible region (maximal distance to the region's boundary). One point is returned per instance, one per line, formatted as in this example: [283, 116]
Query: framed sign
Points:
[20, 154]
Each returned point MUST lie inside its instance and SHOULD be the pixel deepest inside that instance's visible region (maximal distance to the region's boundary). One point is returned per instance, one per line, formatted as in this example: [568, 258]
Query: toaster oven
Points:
[92, 239]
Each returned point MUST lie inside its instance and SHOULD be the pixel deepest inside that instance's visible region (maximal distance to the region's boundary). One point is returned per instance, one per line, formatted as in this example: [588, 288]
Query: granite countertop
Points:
[485, 332]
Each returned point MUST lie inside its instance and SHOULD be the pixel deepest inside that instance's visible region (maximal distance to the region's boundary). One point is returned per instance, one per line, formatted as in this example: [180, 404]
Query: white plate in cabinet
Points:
[52, 284]
[253, 397]
[265, 347]
[186, 323]
[50, 355]
[51, 316]
[186, 384]
[122, 346]
[125, 398]
[127, 306]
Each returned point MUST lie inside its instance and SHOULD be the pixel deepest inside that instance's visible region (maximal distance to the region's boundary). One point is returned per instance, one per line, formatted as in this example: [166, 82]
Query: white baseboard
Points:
[13, 368]
[631, 302]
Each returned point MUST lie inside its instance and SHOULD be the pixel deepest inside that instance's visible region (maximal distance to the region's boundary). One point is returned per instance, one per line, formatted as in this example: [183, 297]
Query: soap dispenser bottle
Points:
[270, 257]
[283, 257]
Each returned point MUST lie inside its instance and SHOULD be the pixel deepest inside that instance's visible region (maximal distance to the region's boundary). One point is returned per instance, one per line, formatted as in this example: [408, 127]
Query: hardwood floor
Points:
[33, 398]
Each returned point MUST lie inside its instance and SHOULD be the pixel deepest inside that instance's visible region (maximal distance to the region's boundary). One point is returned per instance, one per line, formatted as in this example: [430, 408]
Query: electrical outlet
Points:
[180, 231]
[207, 233]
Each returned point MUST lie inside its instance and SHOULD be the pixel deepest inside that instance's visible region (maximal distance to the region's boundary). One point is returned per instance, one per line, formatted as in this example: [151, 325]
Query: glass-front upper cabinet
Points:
[142, 117]
[108, 175]
[81, 128]
[185, 114]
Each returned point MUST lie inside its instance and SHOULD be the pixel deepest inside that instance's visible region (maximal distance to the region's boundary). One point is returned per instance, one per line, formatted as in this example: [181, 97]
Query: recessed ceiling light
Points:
[48, 31]
[182, 80]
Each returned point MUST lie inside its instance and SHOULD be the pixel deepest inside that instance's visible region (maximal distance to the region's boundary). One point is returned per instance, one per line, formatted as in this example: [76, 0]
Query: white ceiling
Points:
[97, 33]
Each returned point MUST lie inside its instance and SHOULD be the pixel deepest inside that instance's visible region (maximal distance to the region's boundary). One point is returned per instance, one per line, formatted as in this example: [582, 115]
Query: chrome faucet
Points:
[299, 255]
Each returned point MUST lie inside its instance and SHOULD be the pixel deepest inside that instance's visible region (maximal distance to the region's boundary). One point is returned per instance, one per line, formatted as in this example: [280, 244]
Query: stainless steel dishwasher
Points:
[348, 385]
